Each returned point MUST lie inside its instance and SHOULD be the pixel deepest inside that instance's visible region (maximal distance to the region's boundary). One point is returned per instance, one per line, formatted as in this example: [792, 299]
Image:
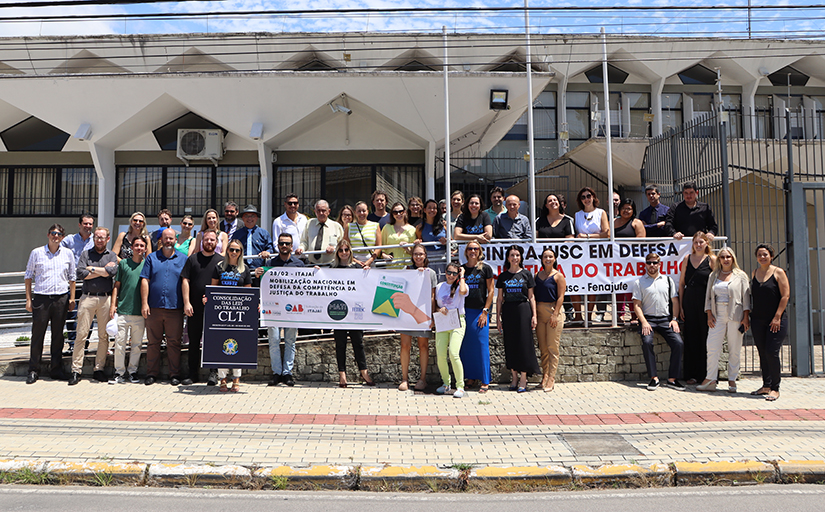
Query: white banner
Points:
[375, 299]
[596, 267]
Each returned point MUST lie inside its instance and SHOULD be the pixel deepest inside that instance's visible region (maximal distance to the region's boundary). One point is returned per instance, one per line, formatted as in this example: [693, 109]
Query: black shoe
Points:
[213, 378]
[133, 378]
[149, 380]
[676, 385]
[100, 376]
[653, 385]
[32, 378]
[58, 376]
[276, 379]
[74, 379]
[288, 380]
[174, 381]
[186, 382]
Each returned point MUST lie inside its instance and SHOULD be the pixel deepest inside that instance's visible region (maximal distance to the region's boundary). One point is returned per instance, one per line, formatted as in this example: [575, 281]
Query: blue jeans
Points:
[290, 334]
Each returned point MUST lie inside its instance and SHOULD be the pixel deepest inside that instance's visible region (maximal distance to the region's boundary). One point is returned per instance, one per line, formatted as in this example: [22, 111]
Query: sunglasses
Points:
[587, 196]
[398, 212]
[452, 273]
[343, 249]
[55, 233]
[229, 211]
[284, 243]
[187, 224]
[138, 221]
[473, 249]
[292, 203]
[652, 262]
[234, 250]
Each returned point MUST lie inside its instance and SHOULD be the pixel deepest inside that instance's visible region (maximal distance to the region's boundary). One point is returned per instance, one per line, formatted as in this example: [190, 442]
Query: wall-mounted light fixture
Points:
[498, 99]
[84, 132]
[257, 131]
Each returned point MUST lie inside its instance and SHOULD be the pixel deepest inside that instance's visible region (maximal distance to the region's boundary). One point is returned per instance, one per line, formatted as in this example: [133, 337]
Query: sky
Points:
[796, 23]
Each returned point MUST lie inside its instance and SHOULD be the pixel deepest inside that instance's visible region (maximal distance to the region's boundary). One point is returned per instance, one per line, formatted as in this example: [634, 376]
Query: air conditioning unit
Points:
[200, 145]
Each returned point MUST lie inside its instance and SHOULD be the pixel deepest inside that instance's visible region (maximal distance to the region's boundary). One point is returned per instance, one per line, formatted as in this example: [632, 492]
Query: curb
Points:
[398, 478]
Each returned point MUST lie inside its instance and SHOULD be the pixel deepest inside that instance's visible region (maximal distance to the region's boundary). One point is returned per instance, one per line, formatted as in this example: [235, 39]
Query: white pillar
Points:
[267, 179]
[656, 103]
[429, 170]
[749, 108]
[104, 162]
[561, 108]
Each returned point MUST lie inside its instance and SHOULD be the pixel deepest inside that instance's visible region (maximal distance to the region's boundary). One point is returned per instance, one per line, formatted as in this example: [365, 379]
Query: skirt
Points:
[475, 349]
[519, 347]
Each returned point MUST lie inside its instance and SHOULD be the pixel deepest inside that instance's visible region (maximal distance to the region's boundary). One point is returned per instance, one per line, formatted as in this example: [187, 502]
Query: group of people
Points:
[150, 282]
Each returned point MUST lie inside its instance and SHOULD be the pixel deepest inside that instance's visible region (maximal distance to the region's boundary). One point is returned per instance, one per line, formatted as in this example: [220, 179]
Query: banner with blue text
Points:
[336, 298]
[230, 328]
[596, 267]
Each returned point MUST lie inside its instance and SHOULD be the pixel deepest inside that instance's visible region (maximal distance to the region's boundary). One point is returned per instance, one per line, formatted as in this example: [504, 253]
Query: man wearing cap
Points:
[256, 240]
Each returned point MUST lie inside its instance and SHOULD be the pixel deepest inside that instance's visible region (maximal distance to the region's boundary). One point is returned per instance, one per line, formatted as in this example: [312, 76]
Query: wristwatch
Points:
[486, 310]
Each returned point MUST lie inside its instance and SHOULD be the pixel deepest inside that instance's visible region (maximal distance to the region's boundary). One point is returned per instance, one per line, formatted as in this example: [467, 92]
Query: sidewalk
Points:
[319, 424]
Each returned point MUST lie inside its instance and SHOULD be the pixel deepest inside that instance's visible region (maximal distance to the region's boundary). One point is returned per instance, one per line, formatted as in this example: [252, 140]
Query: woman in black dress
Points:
[552, 222]
[516, 318]
[626, 225]
[693, 283]
[770, 293]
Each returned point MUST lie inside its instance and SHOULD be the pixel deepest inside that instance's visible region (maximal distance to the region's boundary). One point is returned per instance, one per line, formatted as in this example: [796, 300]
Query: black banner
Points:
[230, 330]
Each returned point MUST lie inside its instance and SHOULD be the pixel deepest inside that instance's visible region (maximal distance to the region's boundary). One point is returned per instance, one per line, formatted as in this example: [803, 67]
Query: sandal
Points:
[760, 391]
[484, 388]
[235, 387]
[772, 398]
[404, 386]
[223, 388]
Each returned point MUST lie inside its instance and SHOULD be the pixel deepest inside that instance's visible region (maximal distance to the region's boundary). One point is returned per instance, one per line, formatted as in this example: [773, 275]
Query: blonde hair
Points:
[217, 228]
[143, 230]
[335, 261]
[717, 267]
[224, 263]
[704, 236]
[480, 262]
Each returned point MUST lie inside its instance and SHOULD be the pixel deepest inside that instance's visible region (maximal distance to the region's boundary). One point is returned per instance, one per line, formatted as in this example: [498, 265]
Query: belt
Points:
[52, 297]
[104, 294]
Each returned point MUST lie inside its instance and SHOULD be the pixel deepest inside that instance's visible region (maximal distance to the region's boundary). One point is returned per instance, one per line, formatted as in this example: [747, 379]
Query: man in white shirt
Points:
[291, 221]
[652, 297]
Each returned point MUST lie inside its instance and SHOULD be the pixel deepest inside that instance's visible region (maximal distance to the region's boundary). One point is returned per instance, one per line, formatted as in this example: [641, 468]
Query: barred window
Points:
[139, 189]
[239, 184]
[188, 189]
[47, 191]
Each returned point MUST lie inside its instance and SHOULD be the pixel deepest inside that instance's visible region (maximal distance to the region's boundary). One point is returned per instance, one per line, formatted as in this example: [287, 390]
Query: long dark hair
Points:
[632, 204]
[520, 252]
[546, 211]
[438, 221]
[412, 252]
[454, 286]
[465, 208]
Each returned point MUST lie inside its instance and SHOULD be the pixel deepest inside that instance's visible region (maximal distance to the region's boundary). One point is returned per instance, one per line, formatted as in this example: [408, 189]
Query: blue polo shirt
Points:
[164, 279]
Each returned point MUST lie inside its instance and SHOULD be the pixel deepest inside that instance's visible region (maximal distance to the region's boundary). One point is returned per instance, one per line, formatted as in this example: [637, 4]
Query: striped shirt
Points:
[51, 272]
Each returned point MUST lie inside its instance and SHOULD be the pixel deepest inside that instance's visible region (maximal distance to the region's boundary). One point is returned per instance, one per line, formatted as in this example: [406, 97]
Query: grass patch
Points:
[279, 482]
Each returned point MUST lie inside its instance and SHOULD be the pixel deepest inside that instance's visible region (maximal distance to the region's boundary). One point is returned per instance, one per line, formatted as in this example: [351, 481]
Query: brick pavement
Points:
[319, 423]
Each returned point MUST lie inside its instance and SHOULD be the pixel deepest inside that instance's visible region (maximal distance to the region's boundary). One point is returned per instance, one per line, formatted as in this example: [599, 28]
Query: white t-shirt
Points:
[589, 223]
[443, 299]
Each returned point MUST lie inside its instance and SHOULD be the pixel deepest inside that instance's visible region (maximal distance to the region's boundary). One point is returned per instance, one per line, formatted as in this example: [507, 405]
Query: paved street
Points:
[319, 423]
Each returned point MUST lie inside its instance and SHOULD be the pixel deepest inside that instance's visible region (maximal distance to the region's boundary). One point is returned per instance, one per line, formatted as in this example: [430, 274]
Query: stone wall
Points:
[587, 355]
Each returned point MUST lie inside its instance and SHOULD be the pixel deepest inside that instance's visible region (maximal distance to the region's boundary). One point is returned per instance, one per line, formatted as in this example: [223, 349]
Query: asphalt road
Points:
[774, 498]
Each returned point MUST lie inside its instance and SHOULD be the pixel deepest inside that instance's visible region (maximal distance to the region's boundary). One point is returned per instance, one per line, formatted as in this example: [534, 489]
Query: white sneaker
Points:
[117, 379]
[459, 393]
[443, 390]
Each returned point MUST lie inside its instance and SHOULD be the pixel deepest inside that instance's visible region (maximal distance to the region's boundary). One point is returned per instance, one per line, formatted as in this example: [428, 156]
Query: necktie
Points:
[319, 240]
[249, 242]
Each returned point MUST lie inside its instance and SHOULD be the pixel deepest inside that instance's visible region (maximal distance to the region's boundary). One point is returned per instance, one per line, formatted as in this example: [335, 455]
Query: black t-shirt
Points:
[231, 277]
[561, 230]
[515, 286]
[198, 269]
[476, 279]
[473, 226]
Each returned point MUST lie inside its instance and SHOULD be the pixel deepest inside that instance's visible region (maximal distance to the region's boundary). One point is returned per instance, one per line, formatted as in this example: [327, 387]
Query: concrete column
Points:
[104, 162]
[749, 108]
[626, 128]
[267, 179]
[561, 108]
[656, 105]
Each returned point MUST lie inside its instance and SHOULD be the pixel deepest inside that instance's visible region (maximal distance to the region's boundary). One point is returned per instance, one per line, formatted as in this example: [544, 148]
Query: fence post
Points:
[723, 154]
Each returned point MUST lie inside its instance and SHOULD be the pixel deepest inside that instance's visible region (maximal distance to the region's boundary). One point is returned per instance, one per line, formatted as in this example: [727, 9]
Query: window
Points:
[578, 115]
[788, 76]
[671, 111]
[763, 108]
[614, 75]
[544, 120]
[32, 134]
[698, 75]
[616, 121]
[47, 191]
[345, 184]
[183, 190]
[639, 106]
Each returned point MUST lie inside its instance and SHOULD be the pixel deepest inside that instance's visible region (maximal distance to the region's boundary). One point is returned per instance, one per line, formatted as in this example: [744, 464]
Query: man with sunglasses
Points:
[292, 221]
[230, 223]
[50, 283]
[321, 234]
[197, 273]
[282, 369]
[656, 302]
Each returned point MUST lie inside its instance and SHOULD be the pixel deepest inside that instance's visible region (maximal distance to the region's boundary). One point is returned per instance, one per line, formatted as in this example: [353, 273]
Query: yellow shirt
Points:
[390, 237]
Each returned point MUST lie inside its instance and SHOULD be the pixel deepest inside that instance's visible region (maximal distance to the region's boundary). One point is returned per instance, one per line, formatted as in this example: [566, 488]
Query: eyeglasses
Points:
[292, 203]
[55, 233]
[101, 237]
[233, 250]
[652, 262]
[398, 212]
[587, 196]
[284, 243]
[452, 273]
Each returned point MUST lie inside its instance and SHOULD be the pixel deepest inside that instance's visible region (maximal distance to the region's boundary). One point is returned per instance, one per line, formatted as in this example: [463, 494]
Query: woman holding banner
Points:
[475, 349]
[591, 222]
[363, 233]
[552, 222]
[550, 286]
[421, 263]
[449, 296]
[231, 272]
[626, 225]
[343, 259]
[516, 318]
[473, 223]
[693, 284]
[727, 304]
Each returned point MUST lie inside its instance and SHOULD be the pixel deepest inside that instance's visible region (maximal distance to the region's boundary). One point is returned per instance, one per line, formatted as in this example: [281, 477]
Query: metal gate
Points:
[807, 270]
